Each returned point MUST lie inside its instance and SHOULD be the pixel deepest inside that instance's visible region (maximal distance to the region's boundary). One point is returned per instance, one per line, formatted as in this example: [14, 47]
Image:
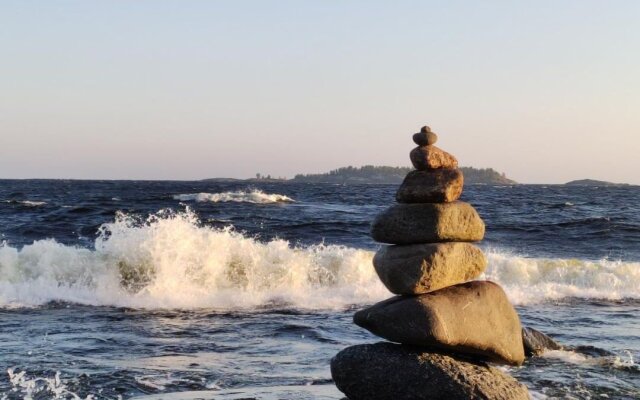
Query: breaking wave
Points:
[241, 196]
[171, 261]
[530, 280]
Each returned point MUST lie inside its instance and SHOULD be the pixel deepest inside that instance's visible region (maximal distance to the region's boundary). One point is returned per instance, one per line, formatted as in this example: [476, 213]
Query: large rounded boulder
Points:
[387, 371]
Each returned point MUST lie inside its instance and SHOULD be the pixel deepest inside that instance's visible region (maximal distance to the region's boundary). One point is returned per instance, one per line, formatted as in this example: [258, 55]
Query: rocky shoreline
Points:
[444, 325]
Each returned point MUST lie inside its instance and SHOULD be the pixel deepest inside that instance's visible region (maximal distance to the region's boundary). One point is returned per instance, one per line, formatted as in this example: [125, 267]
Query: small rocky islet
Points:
[443, 326]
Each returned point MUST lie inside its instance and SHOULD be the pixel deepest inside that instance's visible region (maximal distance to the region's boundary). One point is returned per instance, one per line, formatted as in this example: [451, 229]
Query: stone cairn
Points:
[444, 325]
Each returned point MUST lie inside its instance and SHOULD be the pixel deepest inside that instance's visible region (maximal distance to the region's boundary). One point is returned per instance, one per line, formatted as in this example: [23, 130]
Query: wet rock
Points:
[536, 342]
[439, 186]
[470, 318]
[386, 371]
[428, 223]
[425, 137]
[426, 158]
[591, 351]
[422, 268]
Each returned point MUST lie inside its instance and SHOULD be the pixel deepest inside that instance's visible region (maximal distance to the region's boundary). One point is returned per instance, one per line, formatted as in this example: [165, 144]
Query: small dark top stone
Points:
[425, 137]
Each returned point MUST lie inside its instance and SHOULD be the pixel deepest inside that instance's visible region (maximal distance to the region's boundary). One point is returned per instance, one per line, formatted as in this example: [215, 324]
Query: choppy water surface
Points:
[142, 289]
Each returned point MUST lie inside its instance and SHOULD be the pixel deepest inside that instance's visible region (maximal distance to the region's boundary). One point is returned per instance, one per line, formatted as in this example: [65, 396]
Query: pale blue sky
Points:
[546, 91]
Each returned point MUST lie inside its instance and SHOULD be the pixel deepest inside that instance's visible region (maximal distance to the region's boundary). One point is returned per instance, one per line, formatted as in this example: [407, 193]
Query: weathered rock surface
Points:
[425, 158]
[425, 137]
[439, 186]
[387, 371]
[469, 318]
[428, 223]
[536, 342]
[422, 268]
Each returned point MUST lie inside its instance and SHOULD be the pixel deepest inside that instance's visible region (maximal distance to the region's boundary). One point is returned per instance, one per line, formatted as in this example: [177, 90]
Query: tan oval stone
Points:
[439, 186]
[427, 223]
[422, 268]
[470, 318]
[425, 158]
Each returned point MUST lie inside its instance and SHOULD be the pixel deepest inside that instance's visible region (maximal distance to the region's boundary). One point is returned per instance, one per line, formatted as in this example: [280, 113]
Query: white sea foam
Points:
[40, 387]
[254, 196]
[624, 361]
[171, 261]
[530, 280]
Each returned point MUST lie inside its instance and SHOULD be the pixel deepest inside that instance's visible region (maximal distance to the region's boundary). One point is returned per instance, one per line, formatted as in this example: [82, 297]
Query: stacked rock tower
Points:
[444, 325]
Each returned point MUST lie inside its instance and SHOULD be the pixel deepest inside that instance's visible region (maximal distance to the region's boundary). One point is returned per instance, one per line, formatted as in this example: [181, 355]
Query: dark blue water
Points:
[124, 289]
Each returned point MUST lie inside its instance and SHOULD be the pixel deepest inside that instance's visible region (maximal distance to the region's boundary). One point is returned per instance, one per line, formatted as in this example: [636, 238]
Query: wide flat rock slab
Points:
[422, 268]
[427, 158]
[473, 318]
[439, 186]
[428, 223]
[387, 371]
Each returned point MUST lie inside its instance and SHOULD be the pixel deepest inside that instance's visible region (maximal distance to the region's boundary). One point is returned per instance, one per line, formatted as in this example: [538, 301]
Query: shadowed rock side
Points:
[428, 223]
[386, 371]
[421, 268]
[469, 318]
[440, 186]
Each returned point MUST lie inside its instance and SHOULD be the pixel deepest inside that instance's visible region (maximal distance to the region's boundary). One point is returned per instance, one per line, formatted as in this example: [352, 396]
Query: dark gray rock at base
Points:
[439, 186]
[428, 223]
[536, 342]
[474, 318]
[387, 371]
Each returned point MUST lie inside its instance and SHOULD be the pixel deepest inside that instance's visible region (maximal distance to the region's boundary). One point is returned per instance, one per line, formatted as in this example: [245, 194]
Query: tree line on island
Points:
[385, 174]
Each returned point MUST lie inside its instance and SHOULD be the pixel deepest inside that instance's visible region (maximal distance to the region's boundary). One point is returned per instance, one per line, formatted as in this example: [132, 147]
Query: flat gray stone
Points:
[473, 318]
[428, 223]
[439, 186]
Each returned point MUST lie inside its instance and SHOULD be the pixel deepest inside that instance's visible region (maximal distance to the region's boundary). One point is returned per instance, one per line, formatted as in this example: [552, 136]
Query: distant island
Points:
[370, 174]
[259, 178]
[383, 174]
[593, 182]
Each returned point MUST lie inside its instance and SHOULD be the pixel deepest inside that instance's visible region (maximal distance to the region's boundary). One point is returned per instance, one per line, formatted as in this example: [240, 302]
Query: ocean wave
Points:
[529, 280]
[28, 203]
[241, 196]
[170, 261]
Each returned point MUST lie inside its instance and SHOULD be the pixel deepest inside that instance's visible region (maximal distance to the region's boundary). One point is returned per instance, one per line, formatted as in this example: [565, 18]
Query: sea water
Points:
[183, 290]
